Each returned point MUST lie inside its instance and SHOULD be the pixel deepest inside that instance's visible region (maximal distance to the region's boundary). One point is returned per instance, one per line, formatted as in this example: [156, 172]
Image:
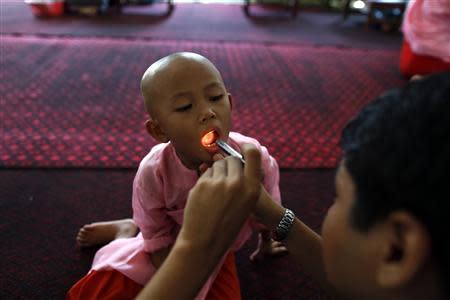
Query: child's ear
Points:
[230, 98]
[156, 131]
[405, 251]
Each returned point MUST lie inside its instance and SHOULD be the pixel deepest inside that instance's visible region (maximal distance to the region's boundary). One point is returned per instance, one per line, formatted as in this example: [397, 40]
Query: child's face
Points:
[349, 255]
[191, 101]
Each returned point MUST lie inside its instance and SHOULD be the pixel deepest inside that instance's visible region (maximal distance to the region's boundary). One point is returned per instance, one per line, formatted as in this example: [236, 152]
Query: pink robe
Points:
[426, 26]
[160, 191]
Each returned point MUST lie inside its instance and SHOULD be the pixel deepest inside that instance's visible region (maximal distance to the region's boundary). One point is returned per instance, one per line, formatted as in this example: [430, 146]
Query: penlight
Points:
[211, 139]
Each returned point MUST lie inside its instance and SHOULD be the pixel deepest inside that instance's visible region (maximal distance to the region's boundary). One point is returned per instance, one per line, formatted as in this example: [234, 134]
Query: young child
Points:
[186, 98]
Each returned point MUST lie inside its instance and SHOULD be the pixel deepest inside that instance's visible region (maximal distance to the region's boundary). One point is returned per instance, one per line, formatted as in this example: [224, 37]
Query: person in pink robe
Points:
[426, 43]
[186, 98]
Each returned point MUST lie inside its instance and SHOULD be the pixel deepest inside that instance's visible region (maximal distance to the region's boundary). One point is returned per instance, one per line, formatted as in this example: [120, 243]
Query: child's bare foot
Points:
[100, 233]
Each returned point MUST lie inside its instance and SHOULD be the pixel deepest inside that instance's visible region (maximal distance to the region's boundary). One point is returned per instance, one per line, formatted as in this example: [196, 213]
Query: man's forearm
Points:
[182, 274]
[304, 245]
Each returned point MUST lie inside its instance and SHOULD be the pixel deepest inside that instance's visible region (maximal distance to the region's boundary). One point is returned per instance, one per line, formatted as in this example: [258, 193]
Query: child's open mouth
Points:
[209, 140]
[212, 143]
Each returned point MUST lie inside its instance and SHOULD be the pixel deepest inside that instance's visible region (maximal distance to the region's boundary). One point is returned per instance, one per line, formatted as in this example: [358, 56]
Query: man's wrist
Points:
[267, 211]
[199, 247]
[284, 226]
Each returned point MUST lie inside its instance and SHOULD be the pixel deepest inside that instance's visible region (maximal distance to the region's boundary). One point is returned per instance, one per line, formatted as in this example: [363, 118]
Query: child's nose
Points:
[206, 114]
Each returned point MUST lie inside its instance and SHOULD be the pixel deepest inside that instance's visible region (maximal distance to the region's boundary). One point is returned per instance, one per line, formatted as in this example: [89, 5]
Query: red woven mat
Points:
[76, 102]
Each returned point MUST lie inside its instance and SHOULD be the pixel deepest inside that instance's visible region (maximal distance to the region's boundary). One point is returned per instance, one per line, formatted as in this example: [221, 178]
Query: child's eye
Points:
[183, 108]
[216, 98]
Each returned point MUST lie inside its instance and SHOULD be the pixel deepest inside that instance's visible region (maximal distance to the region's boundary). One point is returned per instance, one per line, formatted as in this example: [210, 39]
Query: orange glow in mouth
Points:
[209, 139]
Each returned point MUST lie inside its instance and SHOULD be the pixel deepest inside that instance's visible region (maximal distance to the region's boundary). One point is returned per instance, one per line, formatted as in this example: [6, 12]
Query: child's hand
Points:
[267, 247]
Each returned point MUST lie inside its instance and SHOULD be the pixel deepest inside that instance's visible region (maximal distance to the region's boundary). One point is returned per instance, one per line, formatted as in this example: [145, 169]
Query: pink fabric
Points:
[160, 191]
[426, 27]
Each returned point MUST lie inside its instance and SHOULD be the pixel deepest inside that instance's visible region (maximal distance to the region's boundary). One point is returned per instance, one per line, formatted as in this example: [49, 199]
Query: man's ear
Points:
[230, 98]
[406, 249]
[156, 131]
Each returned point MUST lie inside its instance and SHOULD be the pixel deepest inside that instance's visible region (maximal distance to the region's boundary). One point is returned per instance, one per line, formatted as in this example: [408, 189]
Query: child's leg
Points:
[104, 285]
[100, 233]
[226, 285]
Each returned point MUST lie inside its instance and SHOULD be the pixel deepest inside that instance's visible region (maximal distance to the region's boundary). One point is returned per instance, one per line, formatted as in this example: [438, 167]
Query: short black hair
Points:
[397, 151]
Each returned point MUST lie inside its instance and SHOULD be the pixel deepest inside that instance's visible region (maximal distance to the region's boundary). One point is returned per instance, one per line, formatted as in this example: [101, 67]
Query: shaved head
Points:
[158, 75]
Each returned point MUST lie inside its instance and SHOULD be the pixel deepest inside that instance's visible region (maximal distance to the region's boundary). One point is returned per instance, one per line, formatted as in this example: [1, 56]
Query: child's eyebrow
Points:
[213, 85]
[181, 95]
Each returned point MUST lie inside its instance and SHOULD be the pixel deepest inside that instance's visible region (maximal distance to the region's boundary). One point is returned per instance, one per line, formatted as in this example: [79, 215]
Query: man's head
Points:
[185, 97]
[389, 227]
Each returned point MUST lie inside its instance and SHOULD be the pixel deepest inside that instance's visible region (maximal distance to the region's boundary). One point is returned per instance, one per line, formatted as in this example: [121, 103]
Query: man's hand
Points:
[223, 198]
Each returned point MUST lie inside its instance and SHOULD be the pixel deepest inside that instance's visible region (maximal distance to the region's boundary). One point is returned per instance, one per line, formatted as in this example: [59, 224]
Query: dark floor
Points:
[41, 211]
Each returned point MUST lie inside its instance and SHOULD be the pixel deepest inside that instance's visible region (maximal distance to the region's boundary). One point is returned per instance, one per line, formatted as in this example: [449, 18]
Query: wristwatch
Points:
[283, 228]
